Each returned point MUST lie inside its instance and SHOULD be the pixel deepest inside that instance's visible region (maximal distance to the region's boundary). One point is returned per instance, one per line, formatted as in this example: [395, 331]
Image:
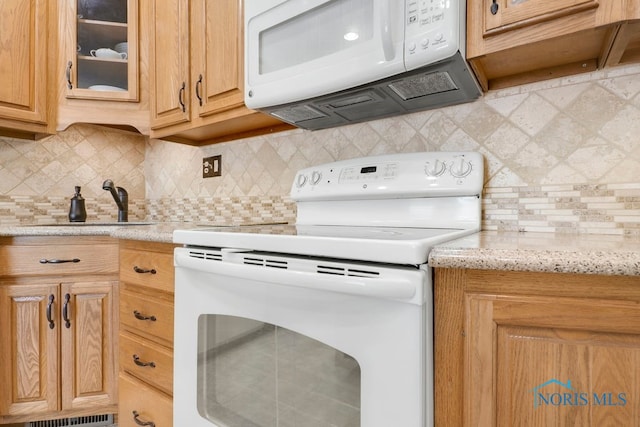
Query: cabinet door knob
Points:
[136, 416]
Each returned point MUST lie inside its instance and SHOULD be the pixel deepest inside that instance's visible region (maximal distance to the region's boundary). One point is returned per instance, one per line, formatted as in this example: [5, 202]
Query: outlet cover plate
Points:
[212, 166]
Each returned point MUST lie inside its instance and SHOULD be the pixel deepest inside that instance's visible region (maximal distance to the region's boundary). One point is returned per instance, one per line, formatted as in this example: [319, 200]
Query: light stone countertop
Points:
[146, 231]
[541, 252]
[486, 250]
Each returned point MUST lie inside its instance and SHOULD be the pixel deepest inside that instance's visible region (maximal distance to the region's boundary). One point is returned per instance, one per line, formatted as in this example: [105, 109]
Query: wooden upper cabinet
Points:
[169, 55]
[506, 15]
[217, 56]
[197, 74]
[100, 80]
[626, 46]
[98, 64]
[512, 42]
[25, 50]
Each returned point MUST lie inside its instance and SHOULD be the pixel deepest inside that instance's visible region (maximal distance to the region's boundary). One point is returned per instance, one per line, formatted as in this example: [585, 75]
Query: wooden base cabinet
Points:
[536, 349]
[58, 343]
[146, 334]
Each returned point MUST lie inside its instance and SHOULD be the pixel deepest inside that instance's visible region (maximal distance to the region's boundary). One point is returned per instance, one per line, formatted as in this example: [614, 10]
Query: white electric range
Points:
[327, 321]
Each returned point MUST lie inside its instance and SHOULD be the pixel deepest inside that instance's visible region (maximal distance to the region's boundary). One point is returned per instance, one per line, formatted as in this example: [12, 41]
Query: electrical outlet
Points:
[212, 166]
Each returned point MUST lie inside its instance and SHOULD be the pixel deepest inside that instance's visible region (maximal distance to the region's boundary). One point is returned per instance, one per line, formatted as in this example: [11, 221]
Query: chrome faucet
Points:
[121, 197]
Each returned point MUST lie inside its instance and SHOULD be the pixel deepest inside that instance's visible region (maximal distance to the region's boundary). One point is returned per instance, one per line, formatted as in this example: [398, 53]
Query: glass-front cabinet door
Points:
[102, 49]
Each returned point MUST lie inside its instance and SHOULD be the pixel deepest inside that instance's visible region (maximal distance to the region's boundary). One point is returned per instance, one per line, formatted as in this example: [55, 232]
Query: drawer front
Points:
[53, 259]
[150, 269]
[147, 315]
[148, 361]
[141, 404]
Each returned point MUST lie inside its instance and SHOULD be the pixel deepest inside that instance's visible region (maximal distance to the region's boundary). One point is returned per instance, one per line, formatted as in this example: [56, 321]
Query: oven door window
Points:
[253, 374]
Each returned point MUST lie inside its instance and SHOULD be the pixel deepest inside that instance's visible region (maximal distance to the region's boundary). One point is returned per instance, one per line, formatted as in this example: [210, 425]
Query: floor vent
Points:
[90, 421]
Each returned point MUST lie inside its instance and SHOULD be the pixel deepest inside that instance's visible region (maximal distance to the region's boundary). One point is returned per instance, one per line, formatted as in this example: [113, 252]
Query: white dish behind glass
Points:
[107, 88]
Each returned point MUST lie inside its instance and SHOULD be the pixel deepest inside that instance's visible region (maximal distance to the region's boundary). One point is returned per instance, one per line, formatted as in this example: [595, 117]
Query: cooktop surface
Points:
[397, 245]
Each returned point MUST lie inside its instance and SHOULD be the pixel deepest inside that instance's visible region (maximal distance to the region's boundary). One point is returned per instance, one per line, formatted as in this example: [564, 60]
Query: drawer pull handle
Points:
[181, 97]
[144, 270]
[141, 316]
[65, 311]
[136, 360]
[58, 261]
[142, 423]
[198, 86]
[49, 315]
[494, 7]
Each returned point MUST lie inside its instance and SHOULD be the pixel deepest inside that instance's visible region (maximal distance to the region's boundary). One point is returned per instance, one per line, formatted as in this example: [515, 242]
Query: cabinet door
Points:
[101, 49]
[169, 57]
[505, 15]
[217, 55]
[540, 361]
[23, 60]
[89, 372]
[29, 343]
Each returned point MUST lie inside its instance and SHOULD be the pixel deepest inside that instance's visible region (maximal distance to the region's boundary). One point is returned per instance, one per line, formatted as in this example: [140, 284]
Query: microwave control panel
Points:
[432, 30]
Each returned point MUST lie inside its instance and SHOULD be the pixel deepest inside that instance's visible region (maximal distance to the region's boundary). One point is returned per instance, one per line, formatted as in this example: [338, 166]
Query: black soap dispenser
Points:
[77, 211]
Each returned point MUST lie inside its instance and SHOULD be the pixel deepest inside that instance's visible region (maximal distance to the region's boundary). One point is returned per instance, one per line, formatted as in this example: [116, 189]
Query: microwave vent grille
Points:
[423, 85]
[298, 113]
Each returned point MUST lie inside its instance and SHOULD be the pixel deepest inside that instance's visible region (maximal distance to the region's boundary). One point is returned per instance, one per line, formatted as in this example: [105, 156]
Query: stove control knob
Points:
[315, 177]
[301, 181]
[460, 168]
[434, 168]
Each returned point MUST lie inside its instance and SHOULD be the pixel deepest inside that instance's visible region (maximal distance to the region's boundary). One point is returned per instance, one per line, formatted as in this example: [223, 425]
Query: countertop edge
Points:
[541, 252]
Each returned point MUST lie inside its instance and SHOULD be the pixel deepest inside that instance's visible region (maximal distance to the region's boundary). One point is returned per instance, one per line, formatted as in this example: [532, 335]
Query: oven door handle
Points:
[401, 287]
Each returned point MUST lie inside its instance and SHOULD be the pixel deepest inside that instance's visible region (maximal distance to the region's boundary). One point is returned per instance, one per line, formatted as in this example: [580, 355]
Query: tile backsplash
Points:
[561, 155]
[37, 178]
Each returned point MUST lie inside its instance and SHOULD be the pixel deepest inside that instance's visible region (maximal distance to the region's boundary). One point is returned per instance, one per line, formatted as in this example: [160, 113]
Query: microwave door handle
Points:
[397, 288]
[385, 30]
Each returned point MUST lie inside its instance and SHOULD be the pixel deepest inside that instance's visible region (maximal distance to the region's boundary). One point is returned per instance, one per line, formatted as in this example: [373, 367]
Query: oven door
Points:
[268, 340]
[301, 49]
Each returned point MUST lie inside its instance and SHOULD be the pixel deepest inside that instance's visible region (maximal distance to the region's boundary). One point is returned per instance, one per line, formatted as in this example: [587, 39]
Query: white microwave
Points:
[324, 63]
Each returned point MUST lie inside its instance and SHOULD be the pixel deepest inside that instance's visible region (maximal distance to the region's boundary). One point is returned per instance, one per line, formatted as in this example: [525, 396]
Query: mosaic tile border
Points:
[569, 209]
[223, 210]
[27, 210]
